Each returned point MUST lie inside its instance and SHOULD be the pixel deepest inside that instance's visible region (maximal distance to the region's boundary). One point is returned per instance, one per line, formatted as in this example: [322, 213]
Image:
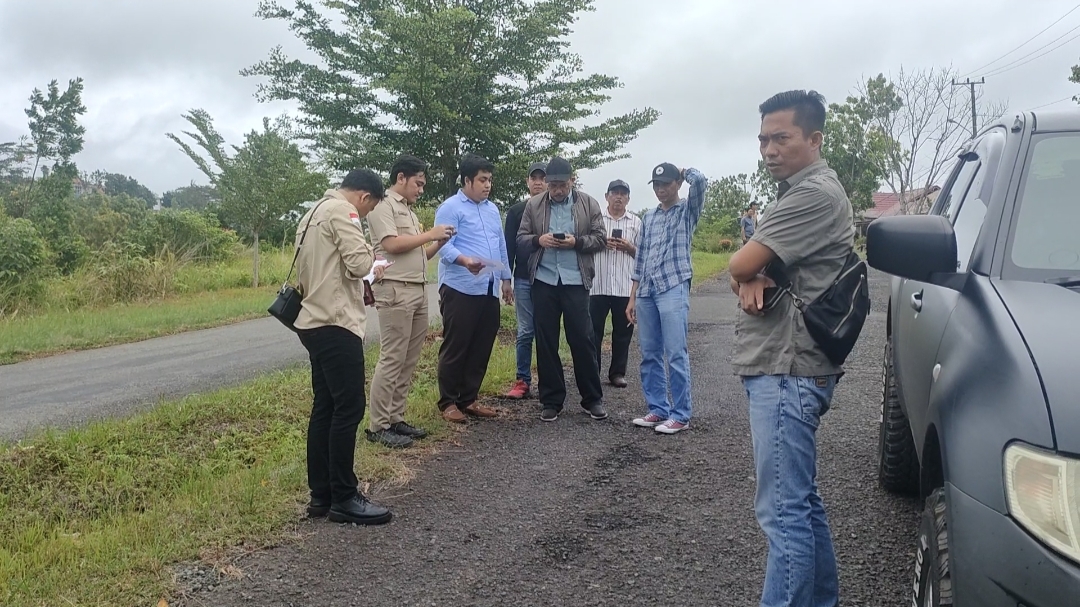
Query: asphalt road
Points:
[578, 512]
[67, 389]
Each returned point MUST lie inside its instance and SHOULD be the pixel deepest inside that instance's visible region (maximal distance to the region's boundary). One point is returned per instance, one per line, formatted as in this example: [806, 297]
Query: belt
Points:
[404, 282]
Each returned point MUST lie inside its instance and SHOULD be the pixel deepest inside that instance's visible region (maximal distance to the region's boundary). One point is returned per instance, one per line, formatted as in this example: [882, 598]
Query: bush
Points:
[426, 215]
[726, 245]
[25, 263]
[184, 233]
[121, 274]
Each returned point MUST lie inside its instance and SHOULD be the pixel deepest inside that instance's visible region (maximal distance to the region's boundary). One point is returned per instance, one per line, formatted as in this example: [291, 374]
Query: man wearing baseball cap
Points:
[560, 231]
[519, 265]
[660, 297]
[610, 292]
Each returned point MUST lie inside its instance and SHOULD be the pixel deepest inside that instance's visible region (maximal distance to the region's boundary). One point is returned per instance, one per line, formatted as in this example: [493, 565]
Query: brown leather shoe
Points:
[479, 411]
[454, 415]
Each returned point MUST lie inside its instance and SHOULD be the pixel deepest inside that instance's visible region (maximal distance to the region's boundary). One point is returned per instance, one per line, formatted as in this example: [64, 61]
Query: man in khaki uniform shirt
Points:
[332, 259]
[401, 299]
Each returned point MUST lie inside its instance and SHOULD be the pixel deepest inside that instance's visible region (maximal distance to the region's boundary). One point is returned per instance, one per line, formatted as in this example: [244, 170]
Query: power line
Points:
[1024, 43]
[1005, 68]
[1069, 98]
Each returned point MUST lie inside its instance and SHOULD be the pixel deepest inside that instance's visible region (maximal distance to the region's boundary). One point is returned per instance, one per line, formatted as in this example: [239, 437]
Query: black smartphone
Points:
[616, 233]
[559, 236]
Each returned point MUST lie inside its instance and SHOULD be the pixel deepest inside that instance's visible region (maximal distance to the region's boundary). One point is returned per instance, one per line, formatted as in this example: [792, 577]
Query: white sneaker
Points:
[671, 427]
[649, 421]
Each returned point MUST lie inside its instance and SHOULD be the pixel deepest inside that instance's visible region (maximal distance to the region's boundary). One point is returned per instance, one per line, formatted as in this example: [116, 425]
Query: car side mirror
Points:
[917, 247]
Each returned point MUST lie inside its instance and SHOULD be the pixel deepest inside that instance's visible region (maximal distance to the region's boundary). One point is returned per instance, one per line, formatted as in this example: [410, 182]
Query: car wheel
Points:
[898, 467]
[933, 583]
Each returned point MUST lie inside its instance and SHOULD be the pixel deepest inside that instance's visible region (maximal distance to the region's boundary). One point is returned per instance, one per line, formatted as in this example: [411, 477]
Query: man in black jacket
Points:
[522, 296]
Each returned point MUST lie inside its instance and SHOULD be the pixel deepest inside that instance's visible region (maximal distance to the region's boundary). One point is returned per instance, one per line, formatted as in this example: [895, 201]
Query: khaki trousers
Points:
[403, 326]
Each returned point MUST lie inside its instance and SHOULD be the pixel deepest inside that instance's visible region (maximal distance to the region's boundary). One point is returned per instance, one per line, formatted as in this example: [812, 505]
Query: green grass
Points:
[95, 516]
[78, 312]
[708, 266]
[56, 331]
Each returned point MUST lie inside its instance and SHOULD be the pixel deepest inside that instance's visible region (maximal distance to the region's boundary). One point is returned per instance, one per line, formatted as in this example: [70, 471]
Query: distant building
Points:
[887, 204]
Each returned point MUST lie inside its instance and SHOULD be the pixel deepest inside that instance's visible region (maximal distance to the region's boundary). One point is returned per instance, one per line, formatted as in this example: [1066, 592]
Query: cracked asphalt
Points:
[580, 512]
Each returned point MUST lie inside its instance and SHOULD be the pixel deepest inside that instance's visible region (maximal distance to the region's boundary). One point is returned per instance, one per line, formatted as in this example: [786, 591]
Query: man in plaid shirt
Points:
[660, 297]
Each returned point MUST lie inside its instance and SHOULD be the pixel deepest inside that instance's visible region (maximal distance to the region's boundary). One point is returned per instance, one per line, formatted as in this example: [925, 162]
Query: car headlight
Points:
[1042, 489]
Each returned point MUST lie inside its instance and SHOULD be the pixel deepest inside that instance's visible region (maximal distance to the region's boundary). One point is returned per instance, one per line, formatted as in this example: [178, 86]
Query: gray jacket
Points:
[589, 232]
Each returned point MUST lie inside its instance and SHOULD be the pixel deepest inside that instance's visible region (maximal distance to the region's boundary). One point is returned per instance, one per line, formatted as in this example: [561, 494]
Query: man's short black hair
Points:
[472, 165]
[364, 180]
[809, 108]
[407, 165]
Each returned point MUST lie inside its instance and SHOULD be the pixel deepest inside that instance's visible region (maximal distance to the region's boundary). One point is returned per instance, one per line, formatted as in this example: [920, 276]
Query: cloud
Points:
[704, 64]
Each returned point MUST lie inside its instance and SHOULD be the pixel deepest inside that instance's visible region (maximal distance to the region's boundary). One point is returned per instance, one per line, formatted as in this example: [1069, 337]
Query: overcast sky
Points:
[704, 64]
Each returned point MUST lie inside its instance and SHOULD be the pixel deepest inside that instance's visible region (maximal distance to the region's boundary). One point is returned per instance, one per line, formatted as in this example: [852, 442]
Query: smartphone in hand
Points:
[559, 236]
[616, 233]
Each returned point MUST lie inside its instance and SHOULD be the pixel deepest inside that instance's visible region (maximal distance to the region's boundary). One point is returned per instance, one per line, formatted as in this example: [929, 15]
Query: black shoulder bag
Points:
[286, 306]
[835, 319]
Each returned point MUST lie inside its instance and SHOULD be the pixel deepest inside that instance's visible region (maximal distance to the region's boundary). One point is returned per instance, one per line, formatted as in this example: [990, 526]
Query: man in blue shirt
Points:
[660, 297]
[471, 266]
[561, 231]
[748, 222]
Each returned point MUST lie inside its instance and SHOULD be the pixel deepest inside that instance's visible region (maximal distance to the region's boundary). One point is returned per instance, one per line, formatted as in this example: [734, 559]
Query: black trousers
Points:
[569, 303]
[622, 332]
[337, 383]
[470, 325]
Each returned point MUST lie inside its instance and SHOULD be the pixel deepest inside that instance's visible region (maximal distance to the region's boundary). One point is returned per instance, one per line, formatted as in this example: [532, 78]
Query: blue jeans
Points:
[662, 327]
[784, 414]
[523, 306]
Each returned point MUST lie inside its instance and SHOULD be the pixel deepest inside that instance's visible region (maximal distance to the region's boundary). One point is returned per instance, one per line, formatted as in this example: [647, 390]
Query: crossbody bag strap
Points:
[303, 235]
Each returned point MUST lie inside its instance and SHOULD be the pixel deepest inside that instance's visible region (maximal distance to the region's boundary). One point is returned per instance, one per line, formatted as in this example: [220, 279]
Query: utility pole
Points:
[971, 84]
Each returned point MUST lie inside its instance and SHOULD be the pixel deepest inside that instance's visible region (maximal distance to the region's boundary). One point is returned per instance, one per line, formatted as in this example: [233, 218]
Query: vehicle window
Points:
[1046, 229]
[955, 193]
[968, 220]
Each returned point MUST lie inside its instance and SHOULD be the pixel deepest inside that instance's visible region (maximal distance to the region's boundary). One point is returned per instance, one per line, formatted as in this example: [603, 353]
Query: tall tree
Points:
[115, 184]
[437, 78]
[259, 182]
[857, 150]
[928, 118]
[196, 197]
[54, 124]
[728, 197]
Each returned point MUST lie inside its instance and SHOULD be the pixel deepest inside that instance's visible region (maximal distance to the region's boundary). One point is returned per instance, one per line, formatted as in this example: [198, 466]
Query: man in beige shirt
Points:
[332, 259]
[401, 299]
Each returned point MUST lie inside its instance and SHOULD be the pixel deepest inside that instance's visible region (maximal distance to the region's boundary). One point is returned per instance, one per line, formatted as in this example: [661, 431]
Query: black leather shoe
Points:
[388, 438]
[405, 429]
[318, 507]
[618, 381]
[359, 511]
[596, 411]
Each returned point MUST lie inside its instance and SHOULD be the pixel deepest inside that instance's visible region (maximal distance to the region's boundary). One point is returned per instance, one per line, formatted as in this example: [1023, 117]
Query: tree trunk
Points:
[255, 269]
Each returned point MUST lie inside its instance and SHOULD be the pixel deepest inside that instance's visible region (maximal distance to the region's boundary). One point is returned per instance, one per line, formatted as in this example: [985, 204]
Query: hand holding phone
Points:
[559, 235]
[616, 233]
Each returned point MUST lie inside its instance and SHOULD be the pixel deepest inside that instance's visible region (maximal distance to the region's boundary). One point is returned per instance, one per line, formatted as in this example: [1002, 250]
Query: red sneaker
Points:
[519, 390]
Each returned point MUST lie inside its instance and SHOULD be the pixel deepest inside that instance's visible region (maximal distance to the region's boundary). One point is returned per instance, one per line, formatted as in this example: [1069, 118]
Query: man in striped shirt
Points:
[660, 297]
[611, 287]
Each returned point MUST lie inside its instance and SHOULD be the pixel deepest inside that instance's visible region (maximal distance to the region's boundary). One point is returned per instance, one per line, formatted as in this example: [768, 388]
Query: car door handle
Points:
[916, 301]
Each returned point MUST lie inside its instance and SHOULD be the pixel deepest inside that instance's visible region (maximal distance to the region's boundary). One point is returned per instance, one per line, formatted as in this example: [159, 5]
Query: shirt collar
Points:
[612, 217]
[463, 198]
[335, 194]
[784, 186]
[393, 196]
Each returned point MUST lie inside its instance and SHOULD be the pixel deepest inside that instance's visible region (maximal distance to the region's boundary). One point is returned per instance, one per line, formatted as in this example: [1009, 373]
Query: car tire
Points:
[933, 582]
[898, 462]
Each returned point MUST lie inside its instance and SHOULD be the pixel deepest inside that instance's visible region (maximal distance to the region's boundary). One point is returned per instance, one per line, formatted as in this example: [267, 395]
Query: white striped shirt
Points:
[615, 268]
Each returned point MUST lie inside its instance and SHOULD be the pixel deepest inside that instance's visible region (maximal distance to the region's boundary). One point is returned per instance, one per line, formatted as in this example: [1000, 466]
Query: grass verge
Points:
[95, 516]
[51, 332]
[708, 266]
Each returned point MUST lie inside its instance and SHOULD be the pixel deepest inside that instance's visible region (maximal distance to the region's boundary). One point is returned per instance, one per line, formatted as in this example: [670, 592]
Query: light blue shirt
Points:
[479, 235]
[560, 264]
